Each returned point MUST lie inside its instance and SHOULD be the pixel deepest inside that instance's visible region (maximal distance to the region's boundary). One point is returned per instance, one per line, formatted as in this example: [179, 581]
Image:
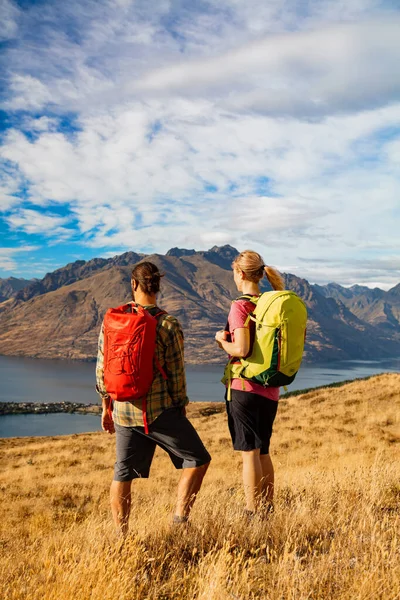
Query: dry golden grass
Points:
[335, 533]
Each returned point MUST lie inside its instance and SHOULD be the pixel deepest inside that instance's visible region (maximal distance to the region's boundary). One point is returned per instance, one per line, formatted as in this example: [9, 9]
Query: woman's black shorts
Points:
[250, 420]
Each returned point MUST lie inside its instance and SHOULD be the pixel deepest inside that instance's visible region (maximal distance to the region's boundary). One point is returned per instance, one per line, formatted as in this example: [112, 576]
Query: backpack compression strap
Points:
[131, 306]
[126, 307]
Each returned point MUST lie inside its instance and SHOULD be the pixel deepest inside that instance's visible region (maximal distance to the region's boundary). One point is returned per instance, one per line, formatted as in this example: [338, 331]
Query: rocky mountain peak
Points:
[10, 286]
[179, 252]
[67, 307]
[395, 291]
[228, 252]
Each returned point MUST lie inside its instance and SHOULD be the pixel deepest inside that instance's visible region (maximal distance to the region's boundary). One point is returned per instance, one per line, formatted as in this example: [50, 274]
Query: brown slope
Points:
[335, 333]
[198, 293]
[374, 306]
[11, 286]
[197, 289]
[65, 323]
[80, 269]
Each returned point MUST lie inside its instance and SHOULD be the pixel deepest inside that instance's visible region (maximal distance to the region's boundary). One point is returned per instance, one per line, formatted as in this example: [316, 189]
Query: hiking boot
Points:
[178, 520]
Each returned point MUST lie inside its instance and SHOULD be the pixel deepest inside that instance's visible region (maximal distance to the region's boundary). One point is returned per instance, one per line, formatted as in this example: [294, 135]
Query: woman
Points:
[252, 408]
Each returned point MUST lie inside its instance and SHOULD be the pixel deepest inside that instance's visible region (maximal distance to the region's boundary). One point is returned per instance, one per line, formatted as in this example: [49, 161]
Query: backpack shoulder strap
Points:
[127, 306]
[253, 299]
[156, 312]
[249, 298]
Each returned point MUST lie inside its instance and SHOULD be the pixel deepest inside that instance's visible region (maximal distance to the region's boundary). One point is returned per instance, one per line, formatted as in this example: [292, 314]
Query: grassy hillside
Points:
[335, 532]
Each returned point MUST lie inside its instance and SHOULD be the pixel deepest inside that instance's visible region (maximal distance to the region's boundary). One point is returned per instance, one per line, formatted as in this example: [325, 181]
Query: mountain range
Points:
[9, 287]
[59, 316]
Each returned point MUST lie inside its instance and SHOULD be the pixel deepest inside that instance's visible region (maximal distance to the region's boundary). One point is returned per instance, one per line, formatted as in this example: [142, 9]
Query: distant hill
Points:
[376, 307]
[72, 272]
[60, 315]
[10, 286]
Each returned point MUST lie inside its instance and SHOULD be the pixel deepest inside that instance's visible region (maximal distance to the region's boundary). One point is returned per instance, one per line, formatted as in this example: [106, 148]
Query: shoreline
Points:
[45, 408]
[310, 362]
[35, 408]
[93, 359]
[323, 362]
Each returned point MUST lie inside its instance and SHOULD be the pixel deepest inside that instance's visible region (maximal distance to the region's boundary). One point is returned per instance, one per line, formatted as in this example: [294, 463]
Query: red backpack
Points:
[129, 353]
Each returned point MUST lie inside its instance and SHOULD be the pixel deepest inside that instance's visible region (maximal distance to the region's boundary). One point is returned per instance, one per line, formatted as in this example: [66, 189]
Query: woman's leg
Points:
[267, 484]
[252, 478]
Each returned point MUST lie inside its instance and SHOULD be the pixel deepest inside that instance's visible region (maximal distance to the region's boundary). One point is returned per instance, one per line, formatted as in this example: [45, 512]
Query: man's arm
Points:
[107, 423]
[175, 366]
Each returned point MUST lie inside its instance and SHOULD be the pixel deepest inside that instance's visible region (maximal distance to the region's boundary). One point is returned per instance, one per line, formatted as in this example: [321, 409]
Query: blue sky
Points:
[136, 125]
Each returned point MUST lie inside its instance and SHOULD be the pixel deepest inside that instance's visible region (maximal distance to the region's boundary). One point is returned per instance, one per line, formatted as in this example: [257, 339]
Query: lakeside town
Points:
[26, 408]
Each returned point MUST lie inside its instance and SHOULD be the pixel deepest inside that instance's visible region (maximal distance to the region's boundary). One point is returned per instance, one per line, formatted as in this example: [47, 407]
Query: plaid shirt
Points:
[163, 393]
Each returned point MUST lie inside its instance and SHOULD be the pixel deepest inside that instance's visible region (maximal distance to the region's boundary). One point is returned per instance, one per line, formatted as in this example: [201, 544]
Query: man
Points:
[164, 414]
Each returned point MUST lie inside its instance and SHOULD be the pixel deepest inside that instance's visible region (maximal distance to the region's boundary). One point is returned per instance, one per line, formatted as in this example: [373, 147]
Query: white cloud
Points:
[28, 93]
[9, 14]
[260, 214]
[10, 183]
[34, 222]
[118, 180]
[307, 73]
[374, 272]
[266, 124]
[393, 153]
[276, 57]
[8, 255]
[40, 124]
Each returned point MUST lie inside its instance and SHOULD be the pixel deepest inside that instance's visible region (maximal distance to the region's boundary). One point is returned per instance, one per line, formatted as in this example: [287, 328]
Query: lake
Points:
[34, 380]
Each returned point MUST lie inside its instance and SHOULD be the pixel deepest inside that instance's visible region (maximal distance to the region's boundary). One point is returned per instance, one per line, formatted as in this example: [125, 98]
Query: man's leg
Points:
[120, 498]
[252, 477]
[267, 484]
[188, 488]
[173, 432]
[135, 453]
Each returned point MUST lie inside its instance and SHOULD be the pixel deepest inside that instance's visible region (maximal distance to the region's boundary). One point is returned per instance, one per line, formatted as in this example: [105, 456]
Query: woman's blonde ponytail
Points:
[275, 278]
[252, 265]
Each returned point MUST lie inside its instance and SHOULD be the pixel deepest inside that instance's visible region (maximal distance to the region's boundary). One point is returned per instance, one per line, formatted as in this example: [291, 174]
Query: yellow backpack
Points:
[281, 319]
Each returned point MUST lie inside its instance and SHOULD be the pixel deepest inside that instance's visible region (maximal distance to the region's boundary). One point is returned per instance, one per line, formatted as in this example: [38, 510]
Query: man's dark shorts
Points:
[250, 420]
[172, 431]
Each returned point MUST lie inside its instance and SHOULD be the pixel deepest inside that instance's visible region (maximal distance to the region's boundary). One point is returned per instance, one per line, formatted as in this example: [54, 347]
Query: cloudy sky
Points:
[143, 125]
